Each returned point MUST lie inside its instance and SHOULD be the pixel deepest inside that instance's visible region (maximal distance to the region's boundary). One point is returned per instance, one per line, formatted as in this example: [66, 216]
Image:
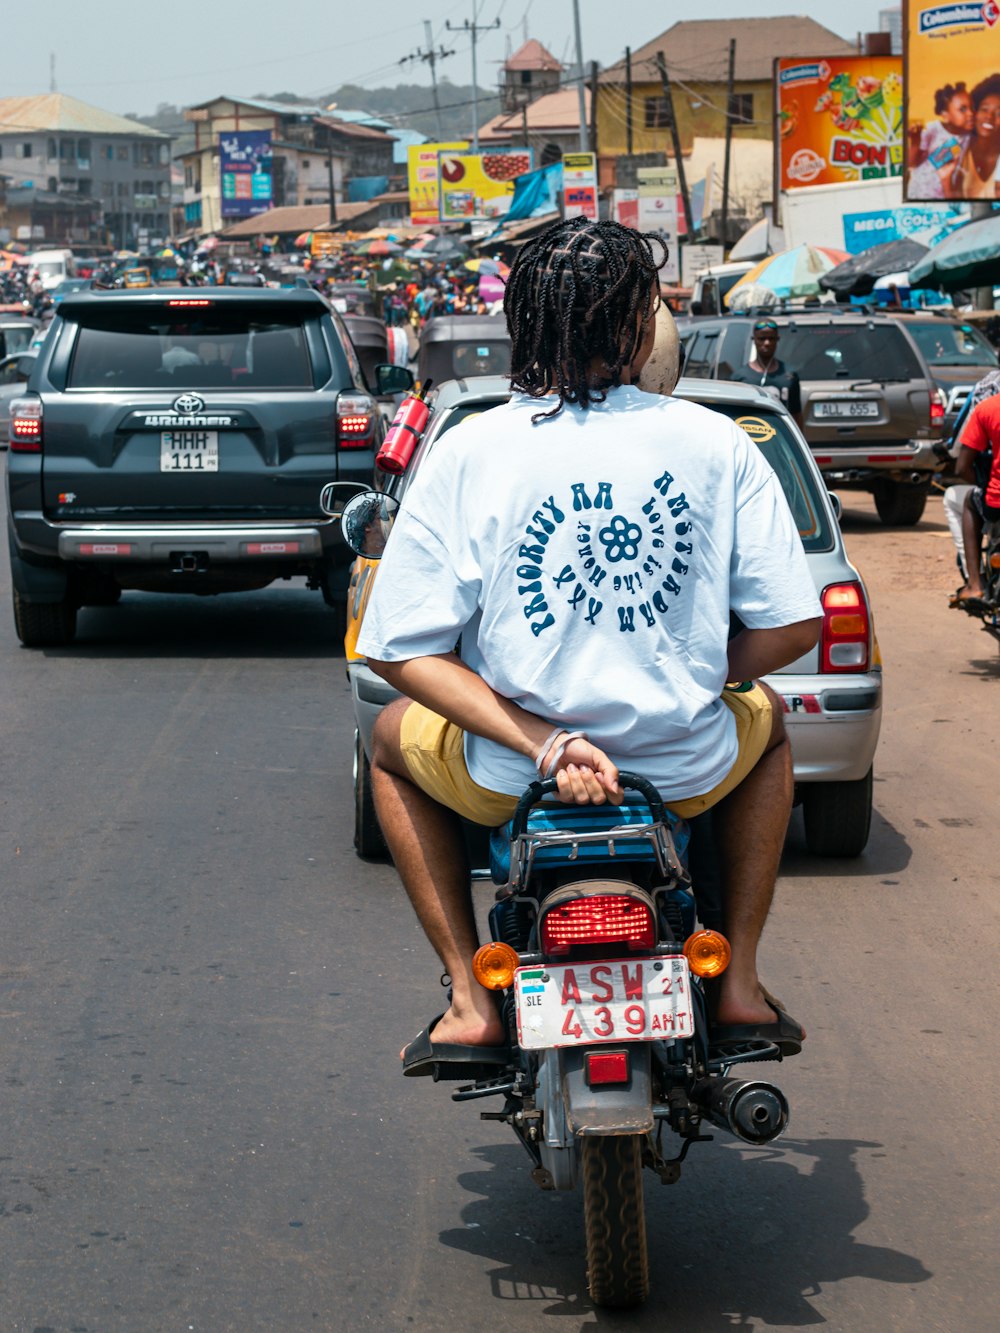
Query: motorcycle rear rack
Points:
[526, 847]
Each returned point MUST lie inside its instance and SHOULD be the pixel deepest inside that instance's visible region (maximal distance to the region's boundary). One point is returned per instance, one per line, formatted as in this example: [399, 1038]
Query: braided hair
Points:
[579, 295]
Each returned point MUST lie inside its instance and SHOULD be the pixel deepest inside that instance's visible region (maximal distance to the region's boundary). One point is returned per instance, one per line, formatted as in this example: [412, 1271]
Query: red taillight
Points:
[355, 421]
[937, 408]
[846, 640]
[26, 426]
[601, 919]
[189, 301]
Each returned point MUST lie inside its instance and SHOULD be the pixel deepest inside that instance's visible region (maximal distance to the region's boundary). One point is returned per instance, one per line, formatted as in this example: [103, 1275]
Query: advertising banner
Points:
[422, 180]
[952, 99]
[928, 225]
[839, 119]
[580, 185]
[245, 164]
[625, 207]
[474, 187]
[658, 213]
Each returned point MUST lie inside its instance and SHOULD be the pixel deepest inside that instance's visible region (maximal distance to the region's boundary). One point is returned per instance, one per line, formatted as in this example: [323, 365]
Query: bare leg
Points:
[753, 821]
[425, 839]
[972, 533]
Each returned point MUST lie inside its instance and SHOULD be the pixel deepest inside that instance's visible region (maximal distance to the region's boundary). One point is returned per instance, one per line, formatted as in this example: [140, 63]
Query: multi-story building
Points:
[112, 173]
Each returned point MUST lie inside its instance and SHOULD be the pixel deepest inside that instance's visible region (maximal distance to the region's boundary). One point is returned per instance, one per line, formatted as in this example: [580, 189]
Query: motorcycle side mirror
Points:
[367, 521]
[392, 379]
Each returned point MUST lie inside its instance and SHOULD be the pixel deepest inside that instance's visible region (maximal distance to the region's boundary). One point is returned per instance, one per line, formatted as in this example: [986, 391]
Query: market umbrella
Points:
[967, 257]
[377, 249]
[791, 273]
[495, 267]
[302, 240]
[858, 275]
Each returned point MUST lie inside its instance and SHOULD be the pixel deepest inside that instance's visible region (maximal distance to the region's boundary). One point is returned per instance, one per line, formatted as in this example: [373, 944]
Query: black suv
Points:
[871, 410]
[175, 442]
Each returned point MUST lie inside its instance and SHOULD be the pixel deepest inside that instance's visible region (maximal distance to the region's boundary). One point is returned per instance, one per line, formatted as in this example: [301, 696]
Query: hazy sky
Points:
[131, 56]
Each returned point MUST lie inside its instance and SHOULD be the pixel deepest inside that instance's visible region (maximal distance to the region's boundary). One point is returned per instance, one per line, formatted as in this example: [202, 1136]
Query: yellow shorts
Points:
[434, 753]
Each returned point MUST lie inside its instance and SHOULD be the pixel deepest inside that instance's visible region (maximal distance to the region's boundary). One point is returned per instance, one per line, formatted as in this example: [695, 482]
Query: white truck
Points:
[814, 214]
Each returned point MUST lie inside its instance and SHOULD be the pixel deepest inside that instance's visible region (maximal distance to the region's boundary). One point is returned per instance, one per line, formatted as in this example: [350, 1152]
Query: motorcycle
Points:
[603, 981]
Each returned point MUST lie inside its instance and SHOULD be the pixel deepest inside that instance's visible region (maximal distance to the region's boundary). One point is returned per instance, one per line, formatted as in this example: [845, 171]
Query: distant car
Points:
[69, 286]
[137, 277]
[178, 441]
[234, 279]
[957, 356]
[832, 695]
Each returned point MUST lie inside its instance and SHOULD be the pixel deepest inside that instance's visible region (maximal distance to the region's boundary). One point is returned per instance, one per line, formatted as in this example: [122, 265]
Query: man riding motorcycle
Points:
[585, 544]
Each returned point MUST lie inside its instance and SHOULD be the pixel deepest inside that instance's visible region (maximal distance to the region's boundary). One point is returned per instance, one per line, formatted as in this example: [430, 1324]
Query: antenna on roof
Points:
[52, 72]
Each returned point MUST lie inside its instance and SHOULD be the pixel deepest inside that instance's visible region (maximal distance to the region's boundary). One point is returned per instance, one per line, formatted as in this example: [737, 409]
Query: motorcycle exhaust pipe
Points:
[755, 1112]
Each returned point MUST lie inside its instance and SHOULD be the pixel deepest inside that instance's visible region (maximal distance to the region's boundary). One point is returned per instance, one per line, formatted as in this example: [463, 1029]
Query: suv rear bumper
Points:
[155, 543]
[855, 462]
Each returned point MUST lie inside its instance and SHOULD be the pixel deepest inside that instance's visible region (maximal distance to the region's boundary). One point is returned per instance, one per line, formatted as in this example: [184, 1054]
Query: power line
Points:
[474, 29]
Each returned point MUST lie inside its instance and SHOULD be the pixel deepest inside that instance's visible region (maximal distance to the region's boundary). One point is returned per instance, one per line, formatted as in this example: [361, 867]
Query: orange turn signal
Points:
[494, 965]
[708, 953]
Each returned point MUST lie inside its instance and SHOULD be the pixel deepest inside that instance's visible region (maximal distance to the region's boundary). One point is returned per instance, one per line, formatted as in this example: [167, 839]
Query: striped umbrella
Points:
[791, 273]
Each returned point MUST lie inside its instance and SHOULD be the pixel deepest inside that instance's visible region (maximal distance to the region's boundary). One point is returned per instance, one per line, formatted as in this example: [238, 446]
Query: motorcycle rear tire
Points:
[615, 1220]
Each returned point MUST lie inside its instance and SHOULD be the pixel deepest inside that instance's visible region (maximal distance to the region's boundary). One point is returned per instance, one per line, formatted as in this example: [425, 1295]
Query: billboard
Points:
[245, 165]
[478, 186]
[839, 119]
[580, 185]
[928, 225]
[952, 99]
[422, 180]
[658, 212]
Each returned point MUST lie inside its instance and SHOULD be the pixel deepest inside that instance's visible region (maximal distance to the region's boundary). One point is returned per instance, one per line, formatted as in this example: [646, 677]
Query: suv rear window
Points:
[952, 345]
[848, 351]
[149, 347]
[774, 438]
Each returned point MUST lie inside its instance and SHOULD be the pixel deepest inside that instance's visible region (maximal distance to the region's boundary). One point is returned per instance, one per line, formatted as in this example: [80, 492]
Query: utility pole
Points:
[329, 180]
[661, 65]
[729, 140]
[431, 57]
[52, 72]
[593, 106]
[474, 29]
[579, 65]
[628, 100]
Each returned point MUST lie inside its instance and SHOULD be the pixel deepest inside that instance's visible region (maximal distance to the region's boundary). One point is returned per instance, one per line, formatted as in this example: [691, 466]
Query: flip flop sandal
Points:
[975, 605]
[786, 1034]
[424, 1058]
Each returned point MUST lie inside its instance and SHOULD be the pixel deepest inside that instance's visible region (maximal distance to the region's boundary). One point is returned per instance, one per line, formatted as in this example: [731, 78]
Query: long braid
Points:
[577, 298]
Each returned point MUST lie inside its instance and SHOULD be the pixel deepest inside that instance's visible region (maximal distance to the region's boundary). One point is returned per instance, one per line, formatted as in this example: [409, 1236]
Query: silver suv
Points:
[872, 411]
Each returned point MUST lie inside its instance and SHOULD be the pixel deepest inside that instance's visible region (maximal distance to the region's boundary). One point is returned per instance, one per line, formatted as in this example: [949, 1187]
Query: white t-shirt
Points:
[589, 564]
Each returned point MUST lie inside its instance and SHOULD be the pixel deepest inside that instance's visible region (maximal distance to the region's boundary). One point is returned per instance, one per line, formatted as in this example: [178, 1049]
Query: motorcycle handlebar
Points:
[627, 781]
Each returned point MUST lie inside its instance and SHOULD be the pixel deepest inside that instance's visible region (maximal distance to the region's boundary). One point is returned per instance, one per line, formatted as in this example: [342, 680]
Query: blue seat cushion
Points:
[552, 816]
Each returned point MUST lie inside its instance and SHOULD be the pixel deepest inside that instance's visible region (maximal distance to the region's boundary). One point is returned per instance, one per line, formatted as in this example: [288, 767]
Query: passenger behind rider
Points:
[585, 544]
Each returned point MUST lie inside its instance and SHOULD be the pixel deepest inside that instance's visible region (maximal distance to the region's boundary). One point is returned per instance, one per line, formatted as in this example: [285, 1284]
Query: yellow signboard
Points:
[422, 167]
[479, 185]
[952, 82]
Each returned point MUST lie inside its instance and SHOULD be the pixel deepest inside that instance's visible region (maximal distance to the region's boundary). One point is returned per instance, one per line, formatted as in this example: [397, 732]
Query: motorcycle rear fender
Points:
[608, 1108]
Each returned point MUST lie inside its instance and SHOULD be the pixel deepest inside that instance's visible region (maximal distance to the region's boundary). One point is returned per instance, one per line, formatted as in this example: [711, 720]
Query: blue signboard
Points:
[926, 223]
[245, 164]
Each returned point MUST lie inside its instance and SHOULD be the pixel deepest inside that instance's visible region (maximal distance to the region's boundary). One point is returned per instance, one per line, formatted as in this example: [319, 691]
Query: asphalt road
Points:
[203, 991]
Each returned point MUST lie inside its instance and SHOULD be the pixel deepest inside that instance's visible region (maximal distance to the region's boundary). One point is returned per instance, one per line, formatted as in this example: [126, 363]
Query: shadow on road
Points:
[275, 623]
[861, 520]
[887, 852]
[734, 1241]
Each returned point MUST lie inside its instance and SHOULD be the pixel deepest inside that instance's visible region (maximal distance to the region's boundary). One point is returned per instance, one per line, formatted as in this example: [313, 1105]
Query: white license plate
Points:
[189, 451]
[865, 408]
[623, 999]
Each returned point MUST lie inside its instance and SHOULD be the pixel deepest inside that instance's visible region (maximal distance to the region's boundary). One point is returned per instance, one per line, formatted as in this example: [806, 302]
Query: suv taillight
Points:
[26, 426]
[938, 405]
[599, 919]
[846, 638]
[355, 421]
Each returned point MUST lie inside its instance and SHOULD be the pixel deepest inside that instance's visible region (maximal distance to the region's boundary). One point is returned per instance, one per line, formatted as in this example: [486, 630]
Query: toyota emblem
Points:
[188, 404]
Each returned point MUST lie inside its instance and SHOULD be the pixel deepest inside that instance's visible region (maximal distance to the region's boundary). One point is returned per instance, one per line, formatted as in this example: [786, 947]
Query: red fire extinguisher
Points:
[404, 434]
